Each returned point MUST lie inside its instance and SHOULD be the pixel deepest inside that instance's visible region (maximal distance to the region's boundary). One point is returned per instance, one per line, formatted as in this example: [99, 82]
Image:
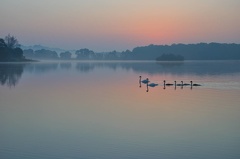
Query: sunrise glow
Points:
[105, 25]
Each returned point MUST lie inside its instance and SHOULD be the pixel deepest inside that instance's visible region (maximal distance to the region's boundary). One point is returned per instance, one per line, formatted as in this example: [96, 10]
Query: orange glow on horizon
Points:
[106, 25]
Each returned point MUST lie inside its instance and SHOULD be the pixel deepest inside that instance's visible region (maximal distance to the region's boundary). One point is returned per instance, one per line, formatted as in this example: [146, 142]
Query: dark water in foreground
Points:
[96, 110]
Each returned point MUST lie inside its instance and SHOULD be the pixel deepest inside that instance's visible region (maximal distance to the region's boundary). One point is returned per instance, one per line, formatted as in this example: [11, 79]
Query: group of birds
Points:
[146, 81]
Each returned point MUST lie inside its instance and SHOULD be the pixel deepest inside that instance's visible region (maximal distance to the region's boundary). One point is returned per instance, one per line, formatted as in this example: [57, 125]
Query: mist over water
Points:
[97, 110]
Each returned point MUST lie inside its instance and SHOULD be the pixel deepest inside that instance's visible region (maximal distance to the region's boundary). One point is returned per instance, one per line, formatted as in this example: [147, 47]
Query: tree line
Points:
[200, 51]
[81, 54]
[10, 51]
[175, 52]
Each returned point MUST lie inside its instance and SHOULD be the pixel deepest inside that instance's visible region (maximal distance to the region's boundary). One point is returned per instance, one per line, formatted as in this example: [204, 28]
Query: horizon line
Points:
[58, 48]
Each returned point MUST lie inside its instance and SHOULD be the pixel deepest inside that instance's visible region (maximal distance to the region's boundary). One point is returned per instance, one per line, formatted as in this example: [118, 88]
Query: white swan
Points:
[143, 81]
[152, 84]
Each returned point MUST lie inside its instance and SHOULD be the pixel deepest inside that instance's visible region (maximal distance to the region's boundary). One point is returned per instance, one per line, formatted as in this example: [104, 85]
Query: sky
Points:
[107, 25]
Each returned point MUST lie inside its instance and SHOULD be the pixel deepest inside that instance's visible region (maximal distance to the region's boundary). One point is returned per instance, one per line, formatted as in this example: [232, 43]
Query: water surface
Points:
[95, 110]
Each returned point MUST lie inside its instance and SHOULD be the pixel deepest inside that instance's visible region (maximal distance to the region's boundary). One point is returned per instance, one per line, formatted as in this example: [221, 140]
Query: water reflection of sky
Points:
[98, 110]
[212, 73]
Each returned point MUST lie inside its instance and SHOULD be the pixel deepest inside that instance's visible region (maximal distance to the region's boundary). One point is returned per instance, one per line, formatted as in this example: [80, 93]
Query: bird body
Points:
[167, 84]
[194, 84]
[145, 81]
[180, 84]
[152, 84]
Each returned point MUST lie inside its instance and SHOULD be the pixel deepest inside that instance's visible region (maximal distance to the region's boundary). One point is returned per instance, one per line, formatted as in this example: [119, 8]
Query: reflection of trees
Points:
[41, 67]
[180, 68]
[46, 67]
[170, 64]
[177, 68]
[10, 74]
[90, 66]
[65, 65]
[85, 67]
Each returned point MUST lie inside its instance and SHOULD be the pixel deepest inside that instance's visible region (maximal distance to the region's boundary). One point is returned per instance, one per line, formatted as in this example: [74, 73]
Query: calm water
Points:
[96, 110]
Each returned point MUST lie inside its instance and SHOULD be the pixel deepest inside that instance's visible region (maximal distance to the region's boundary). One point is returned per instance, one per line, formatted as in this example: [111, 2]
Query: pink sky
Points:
[105, 25]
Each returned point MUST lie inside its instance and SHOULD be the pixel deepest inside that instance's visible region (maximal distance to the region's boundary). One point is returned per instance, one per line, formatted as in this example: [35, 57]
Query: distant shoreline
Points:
[178, 52]
[25, 60]
[115, 61]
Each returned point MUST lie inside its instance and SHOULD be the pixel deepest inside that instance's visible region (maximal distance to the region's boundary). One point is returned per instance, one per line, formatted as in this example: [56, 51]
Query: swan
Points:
[186, 84]
[167, 84]
[175, 85]
[143, 81]
[152, 84]
[180, 84]
[195, 84]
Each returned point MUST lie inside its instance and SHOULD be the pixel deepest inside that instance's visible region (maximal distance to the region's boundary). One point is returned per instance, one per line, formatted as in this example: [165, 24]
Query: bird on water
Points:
[186, 84]
[145, 81]
[194, 84]
[180, 84]
[167, 84]
[152, 84]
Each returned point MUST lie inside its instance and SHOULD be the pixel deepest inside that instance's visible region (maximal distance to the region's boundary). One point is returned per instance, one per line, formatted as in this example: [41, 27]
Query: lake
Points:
[99, 110]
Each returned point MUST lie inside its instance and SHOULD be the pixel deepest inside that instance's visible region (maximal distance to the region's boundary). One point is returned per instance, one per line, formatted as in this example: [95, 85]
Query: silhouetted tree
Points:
[65, 55]
[29, 53]
[200, 51]
[11, 42]
[112, 55]
[170, 57]
[46, 54]
[3, 50]
[126, 55]
[9, 49]
[85, 54]
[18, 53]
[2, 43]
[99, 56]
